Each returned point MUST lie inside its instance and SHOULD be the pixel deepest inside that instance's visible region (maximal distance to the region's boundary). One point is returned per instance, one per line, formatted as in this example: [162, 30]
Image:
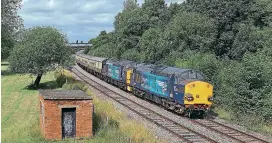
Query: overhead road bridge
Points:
[78, 46]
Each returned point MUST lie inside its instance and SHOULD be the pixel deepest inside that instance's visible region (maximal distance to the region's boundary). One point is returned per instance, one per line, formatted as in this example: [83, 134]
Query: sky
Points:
[80, 20]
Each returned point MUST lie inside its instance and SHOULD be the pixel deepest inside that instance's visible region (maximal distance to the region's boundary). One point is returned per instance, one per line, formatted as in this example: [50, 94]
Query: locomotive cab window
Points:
[185, 76]
[199, 76]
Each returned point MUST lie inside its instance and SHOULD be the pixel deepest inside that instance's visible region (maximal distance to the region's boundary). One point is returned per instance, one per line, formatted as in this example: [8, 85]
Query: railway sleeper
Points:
[183, 132]
[188, 136]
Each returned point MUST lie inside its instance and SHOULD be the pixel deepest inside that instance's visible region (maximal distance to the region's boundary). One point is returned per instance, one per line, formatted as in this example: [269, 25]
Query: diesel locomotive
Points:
[183, 91]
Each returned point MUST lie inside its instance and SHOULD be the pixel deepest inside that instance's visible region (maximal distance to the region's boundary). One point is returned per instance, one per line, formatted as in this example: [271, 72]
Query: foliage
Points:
[130, 5]
[229, 15]
[150, 45]
[41, 49]
[229, 41]
[11, 25]
[192, 31]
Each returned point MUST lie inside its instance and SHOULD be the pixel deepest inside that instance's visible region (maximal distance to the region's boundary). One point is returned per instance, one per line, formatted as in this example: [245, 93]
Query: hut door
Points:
[68, 122]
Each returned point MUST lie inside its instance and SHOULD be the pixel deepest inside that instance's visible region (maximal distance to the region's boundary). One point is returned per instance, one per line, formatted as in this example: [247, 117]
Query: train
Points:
[184, 91]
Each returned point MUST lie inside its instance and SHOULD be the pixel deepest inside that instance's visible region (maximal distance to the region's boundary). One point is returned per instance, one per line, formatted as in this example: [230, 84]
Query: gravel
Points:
[159, 132]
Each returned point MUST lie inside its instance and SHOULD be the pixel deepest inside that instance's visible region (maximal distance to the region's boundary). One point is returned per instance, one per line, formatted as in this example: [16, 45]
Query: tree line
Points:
[229, 41]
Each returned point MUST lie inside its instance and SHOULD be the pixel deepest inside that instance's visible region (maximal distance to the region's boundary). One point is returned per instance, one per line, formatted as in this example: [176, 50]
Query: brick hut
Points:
[65, 113]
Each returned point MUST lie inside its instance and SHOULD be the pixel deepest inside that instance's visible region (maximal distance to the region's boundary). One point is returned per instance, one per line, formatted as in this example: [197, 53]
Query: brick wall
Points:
[51, 128]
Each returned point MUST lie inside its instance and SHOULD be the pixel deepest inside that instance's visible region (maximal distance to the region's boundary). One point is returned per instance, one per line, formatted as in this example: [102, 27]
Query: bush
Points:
[63, 77]
[61, 80]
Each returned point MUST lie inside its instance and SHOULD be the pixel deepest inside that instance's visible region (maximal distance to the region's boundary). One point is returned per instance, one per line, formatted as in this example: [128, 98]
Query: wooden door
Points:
[68, 122]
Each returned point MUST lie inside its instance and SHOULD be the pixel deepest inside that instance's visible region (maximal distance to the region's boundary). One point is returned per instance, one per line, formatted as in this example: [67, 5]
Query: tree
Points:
[194, 31]
[149, 44]
[229, 15]
[157, 11]
[130, 4]
[11, 24]
[41, 49]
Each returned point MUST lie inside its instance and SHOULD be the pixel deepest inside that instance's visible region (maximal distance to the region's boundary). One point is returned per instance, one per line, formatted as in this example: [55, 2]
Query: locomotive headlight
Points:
[210, 98]
[189, 97]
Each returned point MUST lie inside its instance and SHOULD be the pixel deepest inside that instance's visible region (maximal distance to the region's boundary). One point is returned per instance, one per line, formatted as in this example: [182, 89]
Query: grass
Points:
[20, 107]
[265, 128]
[20, 110]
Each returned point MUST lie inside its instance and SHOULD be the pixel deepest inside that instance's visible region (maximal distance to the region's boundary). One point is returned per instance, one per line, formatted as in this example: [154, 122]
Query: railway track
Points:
[180, 131]
[229, 132]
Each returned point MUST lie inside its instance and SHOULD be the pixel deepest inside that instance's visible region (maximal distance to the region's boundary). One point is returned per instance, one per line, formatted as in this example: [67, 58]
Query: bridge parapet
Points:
[78, 46]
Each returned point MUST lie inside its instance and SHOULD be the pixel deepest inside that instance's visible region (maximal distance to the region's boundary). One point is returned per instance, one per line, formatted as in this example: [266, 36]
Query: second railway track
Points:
[229, 132]
[182, 132]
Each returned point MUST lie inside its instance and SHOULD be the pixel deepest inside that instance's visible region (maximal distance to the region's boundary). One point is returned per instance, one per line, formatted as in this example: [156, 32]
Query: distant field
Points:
[20, 112]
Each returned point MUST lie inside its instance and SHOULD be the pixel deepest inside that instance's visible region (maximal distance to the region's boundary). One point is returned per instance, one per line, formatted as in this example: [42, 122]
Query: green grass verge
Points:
[20, 110]
[265, 128]
[20, 107]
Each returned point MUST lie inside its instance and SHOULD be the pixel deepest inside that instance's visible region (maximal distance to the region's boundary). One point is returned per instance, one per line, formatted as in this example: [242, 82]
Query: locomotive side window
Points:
[176, 80]
[138, 78]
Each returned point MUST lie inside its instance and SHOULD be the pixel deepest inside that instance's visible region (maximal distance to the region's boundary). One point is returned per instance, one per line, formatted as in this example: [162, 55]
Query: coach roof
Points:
[98, 59]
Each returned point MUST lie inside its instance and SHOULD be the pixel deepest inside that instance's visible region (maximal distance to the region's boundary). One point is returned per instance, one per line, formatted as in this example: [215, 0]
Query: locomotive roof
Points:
[163, 70]
[121, 62]
[145, 67]
[173, 70]
[125, 62]
[111, 61]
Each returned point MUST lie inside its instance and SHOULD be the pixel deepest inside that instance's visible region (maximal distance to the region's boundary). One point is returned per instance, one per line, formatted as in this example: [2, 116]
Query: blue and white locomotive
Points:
[182, 90]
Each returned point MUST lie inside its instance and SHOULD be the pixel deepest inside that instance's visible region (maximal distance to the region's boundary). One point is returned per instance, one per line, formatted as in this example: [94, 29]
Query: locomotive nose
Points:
[200, 92]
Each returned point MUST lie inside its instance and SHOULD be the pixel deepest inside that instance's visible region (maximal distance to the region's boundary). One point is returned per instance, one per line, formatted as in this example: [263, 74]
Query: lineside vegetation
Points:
[229, 41]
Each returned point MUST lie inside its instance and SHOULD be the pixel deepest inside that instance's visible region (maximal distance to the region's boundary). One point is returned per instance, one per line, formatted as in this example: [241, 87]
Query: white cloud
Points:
[80, 19]
[94, 5]
[51, 3]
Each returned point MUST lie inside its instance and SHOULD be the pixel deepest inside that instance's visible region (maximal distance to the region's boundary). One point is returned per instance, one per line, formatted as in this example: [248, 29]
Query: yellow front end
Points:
[198, 94]
[128, 79]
